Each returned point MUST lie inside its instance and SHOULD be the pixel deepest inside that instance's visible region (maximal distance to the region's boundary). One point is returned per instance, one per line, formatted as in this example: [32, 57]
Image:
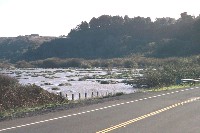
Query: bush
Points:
[23, 64]
[14, 95]
[7, 81]
[167, 75]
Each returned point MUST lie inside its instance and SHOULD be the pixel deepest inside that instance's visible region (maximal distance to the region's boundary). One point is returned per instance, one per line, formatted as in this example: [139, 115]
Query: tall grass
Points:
[14, 95]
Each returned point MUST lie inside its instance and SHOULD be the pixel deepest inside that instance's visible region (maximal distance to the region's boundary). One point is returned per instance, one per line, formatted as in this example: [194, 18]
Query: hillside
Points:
[115, 36]
[109, 37]
[13, 47]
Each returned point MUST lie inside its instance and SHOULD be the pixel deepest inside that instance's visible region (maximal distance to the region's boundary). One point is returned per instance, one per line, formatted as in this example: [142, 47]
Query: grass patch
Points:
[113, 95]
[172, 87]
[25, 110]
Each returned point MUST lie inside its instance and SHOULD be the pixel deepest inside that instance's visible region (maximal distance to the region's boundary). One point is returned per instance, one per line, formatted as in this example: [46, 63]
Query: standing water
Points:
[96, 81]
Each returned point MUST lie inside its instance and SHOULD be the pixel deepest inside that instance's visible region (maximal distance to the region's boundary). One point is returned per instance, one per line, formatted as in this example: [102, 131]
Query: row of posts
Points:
[79, 95]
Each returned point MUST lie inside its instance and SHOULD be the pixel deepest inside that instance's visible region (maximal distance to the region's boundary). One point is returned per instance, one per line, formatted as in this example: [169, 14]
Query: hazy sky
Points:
[57, 17]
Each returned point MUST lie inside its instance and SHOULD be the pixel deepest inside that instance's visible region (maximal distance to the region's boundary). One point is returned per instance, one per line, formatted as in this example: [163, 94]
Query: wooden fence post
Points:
[79, 96]
[72, 97]
[92, 94]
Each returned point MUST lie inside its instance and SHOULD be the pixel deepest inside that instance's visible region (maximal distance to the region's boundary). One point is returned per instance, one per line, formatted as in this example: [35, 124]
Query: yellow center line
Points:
[147, 115]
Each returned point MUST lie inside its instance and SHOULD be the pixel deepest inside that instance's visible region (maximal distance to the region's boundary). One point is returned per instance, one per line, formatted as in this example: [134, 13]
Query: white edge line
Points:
[33, 123]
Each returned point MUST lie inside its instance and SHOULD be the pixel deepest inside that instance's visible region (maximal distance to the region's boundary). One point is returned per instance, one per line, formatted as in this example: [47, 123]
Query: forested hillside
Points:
[14, 47]
[115, 36]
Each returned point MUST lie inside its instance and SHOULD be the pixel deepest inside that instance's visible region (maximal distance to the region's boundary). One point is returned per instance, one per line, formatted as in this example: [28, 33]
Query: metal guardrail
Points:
[190, 81]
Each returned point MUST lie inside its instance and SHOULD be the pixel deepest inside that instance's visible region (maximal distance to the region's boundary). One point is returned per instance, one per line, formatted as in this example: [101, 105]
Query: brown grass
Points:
[14, 95]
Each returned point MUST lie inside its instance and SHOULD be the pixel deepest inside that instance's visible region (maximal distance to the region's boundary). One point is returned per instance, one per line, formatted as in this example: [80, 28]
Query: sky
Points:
[58, 17]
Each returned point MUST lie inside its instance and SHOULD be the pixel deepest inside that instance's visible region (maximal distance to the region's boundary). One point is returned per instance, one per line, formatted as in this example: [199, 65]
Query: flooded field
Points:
[96, 81]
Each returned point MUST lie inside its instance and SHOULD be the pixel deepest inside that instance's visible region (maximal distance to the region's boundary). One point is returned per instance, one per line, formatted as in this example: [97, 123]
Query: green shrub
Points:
[7, 81]
[14, 95]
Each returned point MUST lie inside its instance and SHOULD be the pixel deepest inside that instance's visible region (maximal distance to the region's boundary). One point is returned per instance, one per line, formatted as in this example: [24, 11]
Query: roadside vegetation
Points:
[14, 96]
[168, 72]
[163, 77]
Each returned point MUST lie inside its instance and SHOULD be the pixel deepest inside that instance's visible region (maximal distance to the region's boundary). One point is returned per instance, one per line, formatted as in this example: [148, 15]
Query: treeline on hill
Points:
[115, 37]
[14, 47]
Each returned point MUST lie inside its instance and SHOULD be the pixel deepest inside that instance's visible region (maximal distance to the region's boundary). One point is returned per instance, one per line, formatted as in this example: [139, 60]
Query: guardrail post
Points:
[60, 93]
[97, 94]
[85, 95]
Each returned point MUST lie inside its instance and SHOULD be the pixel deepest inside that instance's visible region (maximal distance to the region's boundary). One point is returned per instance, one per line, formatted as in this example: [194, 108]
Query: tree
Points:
[93, 23]
[83, 26]
[186, 18]
[196, 30]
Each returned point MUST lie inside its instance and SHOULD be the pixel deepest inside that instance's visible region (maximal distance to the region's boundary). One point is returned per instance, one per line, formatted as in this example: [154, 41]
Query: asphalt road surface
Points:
[176, 111]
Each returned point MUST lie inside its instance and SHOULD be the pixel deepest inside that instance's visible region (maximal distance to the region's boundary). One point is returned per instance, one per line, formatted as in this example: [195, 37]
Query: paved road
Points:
[176, 111]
